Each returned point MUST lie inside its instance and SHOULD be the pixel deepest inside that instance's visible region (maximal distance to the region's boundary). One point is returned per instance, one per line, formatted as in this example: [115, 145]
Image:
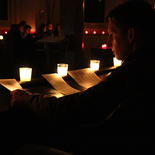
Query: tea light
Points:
[117, 62]
[104, 46]
[94, 64]
[1, 37]
[25, 74]
[62, 69]
[94, 32]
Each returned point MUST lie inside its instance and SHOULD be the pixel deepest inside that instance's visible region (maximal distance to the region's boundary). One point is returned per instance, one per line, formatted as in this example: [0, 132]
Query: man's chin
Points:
[118, 58]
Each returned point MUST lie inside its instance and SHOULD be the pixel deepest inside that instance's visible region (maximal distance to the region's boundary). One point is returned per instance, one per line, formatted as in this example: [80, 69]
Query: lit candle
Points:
[94, 32]
[103, 32]
[86, 32]
[82, 45]
[1, 37]
[104, 46]
[62, 69]
[117, 62]
[94, 64]
[25, 74]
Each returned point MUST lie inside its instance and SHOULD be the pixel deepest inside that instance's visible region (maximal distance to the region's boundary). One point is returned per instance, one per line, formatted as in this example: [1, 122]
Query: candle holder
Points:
[25, 74]
[62, 69]
[94, 64]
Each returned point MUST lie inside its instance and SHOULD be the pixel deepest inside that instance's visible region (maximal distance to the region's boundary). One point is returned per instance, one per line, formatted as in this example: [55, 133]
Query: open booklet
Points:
[10, 84]
[5, 98]
[59, 84]
[85, 77]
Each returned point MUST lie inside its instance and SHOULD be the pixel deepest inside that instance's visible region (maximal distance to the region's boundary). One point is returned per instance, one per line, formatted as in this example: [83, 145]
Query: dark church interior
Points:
[79, 34]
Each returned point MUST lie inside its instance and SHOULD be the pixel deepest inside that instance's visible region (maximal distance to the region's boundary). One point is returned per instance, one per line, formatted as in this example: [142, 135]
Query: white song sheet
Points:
[59, 84]
[10, 84]
[85, 77]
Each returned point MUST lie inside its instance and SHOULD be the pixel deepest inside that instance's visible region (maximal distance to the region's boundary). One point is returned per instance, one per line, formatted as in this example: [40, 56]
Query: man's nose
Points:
[109, 44]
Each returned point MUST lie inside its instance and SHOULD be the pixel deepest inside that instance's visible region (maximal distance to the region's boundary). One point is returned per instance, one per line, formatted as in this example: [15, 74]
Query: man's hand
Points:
[19, 97]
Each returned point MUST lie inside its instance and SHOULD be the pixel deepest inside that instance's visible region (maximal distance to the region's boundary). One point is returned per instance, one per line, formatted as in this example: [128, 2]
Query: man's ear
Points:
[131, 35]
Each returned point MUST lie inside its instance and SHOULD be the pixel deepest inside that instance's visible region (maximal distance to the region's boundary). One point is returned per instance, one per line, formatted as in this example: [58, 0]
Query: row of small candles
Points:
[94, 32]
[25, 73]
[62, 69]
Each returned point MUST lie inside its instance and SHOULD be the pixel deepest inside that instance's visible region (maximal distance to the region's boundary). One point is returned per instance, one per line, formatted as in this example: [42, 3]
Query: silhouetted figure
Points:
[57, 31]
[23, 23]
[40, 33]
[49, 30]
[27, 46]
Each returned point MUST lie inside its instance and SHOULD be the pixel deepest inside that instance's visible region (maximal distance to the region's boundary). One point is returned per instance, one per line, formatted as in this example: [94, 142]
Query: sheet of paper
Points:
[55, 93]
[59, 84]
[85, 77]
[10, 84]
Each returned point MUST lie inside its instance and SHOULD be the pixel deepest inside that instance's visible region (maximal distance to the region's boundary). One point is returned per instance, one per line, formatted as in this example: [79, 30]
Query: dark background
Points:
[3, 9]
[94, 11]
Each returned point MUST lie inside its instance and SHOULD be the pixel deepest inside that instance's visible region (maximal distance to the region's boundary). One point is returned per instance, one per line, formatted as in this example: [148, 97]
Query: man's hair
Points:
[137, 14]
[27, 26]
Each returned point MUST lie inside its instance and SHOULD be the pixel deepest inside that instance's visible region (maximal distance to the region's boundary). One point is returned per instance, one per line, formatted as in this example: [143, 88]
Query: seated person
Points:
[23, 23]
[40, 33]
[57, 31]
[27, 31]
[49, 30]
[27, 52]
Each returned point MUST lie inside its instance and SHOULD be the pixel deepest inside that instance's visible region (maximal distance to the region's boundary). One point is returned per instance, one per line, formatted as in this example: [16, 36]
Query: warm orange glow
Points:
[1, 37]
[104, 46]
[117, 62]
[62, 69]
[25, 74]
[82, 45]
[94, 64]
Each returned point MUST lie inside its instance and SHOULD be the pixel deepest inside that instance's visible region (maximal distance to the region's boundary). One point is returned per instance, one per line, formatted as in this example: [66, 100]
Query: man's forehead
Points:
[111, 27]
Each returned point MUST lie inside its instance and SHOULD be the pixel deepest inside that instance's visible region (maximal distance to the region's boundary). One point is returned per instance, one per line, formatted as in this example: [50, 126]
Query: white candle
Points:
[94, 64]
[1, 37]
[62, 69]
[25, 73]
[117, 62]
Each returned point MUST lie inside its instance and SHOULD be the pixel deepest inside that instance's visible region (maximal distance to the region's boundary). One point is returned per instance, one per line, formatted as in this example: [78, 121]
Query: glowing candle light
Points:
[94, 32]
[94, 64]
[103, 32]
[104, 46]
[5, 32]
[62, 69]
[1, 37]
[82, 45]
[86, 32]
[25, 74]
[117, 62]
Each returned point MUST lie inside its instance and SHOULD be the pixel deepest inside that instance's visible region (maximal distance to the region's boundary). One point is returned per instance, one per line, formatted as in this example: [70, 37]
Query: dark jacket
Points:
[134, 79]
